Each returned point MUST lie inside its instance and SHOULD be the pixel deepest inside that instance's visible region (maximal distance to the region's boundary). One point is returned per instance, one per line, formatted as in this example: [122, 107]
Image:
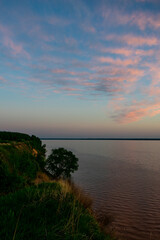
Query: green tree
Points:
[61, 163]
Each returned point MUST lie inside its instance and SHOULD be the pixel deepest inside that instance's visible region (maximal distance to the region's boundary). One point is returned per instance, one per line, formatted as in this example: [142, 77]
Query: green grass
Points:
[44, 212]
[18, 167]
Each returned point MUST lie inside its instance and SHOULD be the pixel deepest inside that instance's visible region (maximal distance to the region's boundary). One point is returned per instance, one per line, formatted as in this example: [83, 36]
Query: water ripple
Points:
[123, 179]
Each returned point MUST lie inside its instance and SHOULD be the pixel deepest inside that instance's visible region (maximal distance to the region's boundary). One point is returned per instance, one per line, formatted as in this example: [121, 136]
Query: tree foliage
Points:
[13, 136]
[61, 163]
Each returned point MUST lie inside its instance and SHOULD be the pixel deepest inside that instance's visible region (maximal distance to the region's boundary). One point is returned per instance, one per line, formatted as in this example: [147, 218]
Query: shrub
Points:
[61, 163]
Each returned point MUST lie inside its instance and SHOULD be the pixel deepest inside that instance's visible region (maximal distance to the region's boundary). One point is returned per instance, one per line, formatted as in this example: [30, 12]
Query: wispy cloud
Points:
[134, 40]
[117, 51]
[14, 47]
[137, 112]
[100, 51]
[141, 19]
[117, 61]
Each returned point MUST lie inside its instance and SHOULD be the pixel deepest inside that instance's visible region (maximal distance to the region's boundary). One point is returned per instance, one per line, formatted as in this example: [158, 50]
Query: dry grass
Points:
[5, 144]
[67, 187]
[34, 152]
[104, 220]
[24, 147]
[79, 194]
[41, 178]
[21, 146]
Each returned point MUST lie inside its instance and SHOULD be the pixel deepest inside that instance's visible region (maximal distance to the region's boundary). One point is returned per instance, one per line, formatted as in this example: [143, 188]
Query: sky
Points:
[80, 68]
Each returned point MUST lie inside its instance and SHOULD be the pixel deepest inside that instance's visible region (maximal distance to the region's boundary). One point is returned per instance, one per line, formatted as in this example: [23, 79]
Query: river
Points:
[123, 178]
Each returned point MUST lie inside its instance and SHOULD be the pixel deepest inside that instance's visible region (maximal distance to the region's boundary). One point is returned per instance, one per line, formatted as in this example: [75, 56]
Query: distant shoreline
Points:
[114, 139]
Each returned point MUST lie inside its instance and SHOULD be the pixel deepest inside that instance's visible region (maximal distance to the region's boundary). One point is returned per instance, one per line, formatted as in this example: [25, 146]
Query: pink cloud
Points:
[113, 79]
[141, 52]
[67, 72]
[146, 111]
[122, 78]
[134, 40]
[119, 51]
[132, 116]
[119, 71]
[135, 72]
[141, 19]
[144, 20]
[154, 91]
[135, 112]
[89, 84]
[63, 71]
[56, 91]
[70, 89]
[123, 51]
[117, 61]
[154, 72]
[15, 48]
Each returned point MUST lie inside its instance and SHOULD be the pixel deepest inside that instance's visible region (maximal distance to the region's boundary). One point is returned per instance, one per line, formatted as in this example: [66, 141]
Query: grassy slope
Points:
[30, 210]
[45, 212]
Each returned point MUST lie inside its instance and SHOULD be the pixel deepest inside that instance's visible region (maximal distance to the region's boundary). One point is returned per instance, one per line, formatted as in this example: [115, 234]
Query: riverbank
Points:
[32, 204]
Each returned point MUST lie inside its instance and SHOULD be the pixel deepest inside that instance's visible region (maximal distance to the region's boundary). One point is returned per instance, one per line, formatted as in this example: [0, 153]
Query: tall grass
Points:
[46, 212]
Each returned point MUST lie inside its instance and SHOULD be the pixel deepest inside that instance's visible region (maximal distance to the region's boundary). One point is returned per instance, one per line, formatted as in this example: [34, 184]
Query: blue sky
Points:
[80, 68]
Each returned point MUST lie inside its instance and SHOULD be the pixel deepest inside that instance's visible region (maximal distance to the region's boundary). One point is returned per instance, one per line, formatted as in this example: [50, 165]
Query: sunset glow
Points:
[80, 68]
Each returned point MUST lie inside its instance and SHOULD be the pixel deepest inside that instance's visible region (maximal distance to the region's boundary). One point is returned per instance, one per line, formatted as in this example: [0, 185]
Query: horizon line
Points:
[85, 138]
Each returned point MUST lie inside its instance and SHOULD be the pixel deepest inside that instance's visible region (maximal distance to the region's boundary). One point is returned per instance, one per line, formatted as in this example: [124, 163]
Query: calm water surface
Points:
[123, 177]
